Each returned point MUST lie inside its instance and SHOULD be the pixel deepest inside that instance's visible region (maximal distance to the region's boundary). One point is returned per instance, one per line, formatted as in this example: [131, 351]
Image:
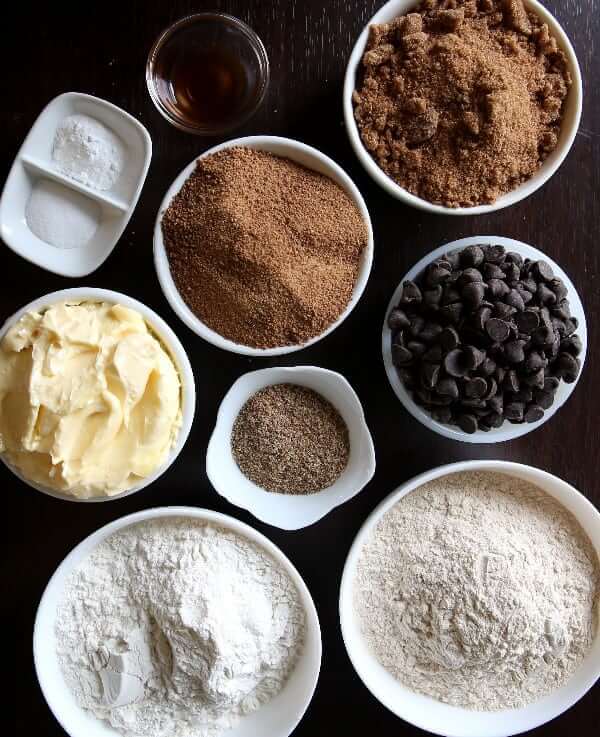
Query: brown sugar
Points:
[263, 250]
[461, 101]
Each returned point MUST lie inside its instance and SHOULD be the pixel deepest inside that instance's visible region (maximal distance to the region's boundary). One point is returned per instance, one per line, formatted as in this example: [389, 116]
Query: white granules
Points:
[61, 217]
[89, 152]
[172, 628]
[480, 590]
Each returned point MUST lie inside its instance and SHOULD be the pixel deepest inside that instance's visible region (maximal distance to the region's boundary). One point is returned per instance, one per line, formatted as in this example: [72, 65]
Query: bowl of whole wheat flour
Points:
[177, 621]
[469, 600]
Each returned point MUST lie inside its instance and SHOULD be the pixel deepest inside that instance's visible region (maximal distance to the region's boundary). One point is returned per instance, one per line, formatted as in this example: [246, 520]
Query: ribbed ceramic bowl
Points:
[171, 343]
[290, 511]
[507, 431]
[277, 718]
[426, 712]
[570, 122]
[302, 154]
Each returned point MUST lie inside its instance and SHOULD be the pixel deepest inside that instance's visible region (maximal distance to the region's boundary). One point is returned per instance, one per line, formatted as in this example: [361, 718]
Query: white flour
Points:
[89, 152]
[480, 590]
[172, 628]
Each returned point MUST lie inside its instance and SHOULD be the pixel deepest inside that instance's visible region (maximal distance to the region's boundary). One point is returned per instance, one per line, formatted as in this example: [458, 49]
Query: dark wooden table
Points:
[100, 48]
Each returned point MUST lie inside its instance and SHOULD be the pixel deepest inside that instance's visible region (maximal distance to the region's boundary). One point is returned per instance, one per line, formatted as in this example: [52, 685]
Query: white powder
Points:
[61, 217]
[89, 152]
[172, 628]
[480, 590]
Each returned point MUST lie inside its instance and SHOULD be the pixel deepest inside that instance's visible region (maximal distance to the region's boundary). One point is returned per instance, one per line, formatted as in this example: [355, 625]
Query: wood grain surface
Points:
[100, 48]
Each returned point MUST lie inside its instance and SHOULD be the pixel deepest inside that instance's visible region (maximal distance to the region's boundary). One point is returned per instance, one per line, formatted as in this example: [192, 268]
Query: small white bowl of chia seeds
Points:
[291, 507]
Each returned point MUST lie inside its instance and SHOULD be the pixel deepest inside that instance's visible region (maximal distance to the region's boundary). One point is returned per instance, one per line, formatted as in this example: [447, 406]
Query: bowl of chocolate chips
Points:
[484, 339]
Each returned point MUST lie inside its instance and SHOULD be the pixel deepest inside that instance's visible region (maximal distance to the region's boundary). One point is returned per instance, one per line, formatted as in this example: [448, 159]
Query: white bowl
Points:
[290, 511]
[424, 711]
[570, 123]
[34, 162]
[171, 343]
[311, 159]
[507, 431]
[277, 718]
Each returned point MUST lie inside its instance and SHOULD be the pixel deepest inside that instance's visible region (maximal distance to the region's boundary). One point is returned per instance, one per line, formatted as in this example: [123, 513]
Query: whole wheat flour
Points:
[177, 628]
[480, 590]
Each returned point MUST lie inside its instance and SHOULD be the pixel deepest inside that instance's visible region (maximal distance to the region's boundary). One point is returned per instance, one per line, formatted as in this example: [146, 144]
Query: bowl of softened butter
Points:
[97, 395]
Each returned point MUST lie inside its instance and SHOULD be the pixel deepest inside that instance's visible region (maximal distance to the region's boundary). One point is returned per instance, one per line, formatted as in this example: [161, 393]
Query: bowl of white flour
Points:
[177, 621]
[470, 598]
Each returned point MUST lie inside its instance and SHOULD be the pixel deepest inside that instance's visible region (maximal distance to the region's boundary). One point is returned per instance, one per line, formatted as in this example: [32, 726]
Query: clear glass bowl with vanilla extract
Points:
[207, 73]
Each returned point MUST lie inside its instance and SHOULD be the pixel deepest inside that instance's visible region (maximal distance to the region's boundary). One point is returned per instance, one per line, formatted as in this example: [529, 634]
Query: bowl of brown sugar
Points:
[462, 107]
[263, 245]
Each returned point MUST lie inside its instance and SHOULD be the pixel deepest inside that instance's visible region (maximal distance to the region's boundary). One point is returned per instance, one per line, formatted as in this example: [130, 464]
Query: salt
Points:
[61, 217]
[89, 152]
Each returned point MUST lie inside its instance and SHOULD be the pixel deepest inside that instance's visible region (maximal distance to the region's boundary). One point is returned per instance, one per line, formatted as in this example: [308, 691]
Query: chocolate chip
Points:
[571, 325]
[544, 399]
[447, 387]
[481, 317]
[467, 423]
[562, 310]
[471, 256]
[494, 419]
[514, 258]
[452, 312]
[504, 312]
[530, 285]
[430, 374]
[449, 338]
[455, 363]
[496, 403]
[567, 367]
[533, 413]
[470, 276]
[411, 294]
[475, 388]
[488, 366]
[497, 329]
[535, 361]
[491, 387]
[551, 384]
[514, 299]
[559, 288]
[416, 347]
[497, 288]
[527, 321]
[572, 345]
[559, 326]
[473, 356]
[543, 336]
[536, 379]
[401, 356]
[398, 320]
[499, 374]
[437, 272]
[442, 414]
[430, 332]
[433, 354]
[511, 381]
[494, 254]
[511, 272]
[544, 295]
[491, 271]
[433, 297]
[514, 411]
[514, 351]
[542, 270]
[474, 293]
[449, 295]
[417, 323]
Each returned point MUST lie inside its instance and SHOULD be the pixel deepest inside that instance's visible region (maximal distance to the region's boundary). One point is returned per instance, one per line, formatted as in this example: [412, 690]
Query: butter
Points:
[90, 401]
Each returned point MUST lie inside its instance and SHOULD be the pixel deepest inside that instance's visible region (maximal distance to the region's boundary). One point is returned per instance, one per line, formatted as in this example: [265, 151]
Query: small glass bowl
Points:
[211, 29]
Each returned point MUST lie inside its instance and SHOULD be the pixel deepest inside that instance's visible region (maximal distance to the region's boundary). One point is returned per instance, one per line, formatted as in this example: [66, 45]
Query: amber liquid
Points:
[208, 86]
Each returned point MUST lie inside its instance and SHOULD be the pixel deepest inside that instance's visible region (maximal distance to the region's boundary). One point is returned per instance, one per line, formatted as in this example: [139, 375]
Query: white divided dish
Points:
[305, 155]
[290, 511]
[507, 431]
[276, 718]
[424, 711]
[112, 208]
[175, 350]
[570, 123]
